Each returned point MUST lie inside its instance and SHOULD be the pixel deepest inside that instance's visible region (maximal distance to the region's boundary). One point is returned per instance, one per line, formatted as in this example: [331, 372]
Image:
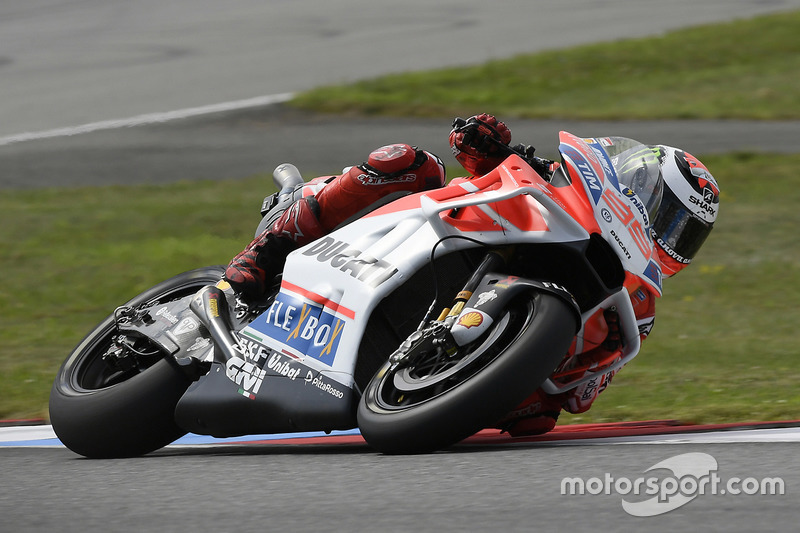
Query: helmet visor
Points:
[679, 230]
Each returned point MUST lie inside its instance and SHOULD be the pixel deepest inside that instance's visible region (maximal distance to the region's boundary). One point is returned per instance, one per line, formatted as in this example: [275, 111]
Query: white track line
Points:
[26, 433]
[149, 118]
[768, 435]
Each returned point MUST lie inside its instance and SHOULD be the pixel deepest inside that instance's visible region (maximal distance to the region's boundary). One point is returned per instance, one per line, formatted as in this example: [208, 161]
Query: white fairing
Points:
[331, 286]
[340, 279]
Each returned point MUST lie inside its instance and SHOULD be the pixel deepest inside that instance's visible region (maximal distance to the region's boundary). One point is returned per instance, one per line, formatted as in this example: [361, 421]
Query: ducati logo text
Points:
[342, 257]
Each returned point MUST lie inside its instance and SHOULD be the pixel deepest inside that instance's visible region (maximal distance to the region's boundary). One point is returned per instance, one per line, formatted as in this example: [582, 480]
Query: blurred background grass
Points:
[722, 348]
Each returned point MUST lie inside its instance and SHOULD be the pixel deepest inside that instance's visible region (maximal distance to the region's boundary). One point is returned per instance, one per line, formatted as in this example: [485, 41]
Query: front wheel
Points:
[432, 399]
[100, 410]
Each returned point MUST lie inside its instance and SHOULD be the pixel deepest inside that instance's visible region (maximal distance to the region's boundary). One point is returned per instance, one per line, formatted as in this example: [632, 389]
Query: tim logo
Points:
[592, 179]
[304, 326]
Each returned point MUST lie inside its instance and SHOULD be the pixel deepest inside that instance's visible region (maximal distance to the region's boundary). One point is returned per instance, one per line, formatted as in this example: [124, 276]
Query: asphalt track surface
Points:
[66, 63]
[337, 483]
[244, 143]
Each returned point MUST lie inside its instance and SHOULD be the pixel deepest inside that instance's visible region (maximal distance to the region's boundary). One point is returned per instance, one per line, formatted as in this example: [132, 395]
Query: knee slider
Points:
[396, 160]
[391, 159]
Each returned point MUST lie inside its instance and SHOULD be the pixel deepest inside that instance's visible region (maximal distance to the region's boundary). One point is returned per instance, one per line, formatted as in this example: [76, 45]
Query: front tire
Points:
[427, 402]
[101, 412]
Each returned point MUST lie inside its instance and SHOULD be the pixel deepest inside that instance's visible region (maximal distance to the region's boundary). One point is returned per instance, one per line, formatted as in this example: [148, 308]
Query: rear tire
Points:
[100, 412]
[417, 406]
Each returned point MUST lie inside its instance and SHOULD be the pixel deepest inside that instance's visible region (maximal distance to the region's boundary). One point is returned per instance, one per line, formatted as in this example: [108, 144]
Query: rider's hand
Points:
[480, 135]
[479, 143]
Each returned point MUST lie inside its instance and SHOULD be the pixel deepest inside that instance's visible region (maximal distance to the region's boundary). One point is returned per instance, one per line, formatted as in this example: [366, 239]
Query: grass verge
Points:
[723, 348]
[742, 69]
[70, 256]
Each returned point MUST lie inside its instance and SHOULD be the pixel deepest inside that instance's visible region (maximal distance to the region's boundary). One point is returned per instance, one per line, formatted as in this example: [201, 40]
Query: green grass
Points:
[70, 256]
[743, 69]
[723, 348]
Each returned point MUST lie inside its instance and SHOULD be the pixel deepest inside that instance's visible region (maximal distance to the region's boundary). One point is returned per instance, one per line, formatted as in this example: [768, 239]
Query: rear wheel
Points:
[432, 399]
[100, 407]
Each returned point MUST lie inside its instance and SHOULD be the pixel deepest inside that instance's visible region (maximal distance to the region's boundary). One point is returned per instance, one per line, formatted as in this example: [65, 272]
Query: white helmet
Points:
[689, 207]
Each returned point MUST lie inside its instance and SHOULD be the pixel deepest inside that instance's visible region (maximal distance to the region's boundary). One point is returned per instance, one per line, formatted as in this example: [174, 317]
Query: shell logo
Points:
[471, 319]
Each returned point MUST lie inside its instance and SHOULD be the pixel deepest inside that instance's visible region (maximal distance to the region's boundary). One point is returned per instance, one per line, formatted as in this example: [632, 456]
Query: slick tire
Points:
[101, 417]
[522, 349]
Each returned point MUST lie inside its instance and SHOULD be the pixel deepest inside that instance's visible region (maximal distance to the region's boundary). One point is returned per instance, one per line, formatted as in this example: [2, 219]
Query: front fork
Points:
[488, 293]
[493, 261]
[437, 332]
[484, 298]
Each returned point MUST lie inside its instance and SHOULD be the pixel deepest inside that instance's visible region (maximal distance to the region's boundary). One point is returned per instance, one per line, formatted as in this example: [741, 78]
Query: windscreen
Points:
[638, 169]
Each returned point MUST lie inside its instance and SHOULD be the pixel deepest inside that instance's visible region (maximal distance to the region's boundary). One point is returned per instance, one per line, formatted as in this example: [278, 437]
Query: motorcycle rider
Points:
[477, 144]
[480, 143]
[389, 169]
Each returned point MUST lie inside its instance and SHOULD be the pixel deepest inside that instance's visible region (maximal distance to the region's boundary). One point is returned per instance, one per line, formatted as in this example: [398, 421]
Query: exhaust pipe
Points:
[211, 308]
[286, 178]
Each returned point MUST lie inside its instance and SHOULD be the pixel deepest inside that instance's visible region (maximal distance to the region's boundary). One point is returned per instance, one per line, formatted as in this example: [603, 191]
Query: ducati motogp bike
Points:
[420, 322]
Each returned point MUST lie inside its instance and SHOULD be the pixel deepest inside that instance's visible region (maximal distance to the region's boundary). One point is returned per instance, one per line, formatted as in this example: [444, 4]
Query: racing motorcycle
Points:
[420, 323]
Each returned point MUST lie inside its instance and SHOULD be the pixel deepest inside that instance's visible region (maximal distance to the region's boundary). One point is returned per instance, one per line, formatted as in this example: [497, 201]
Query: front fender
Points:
[493, 295]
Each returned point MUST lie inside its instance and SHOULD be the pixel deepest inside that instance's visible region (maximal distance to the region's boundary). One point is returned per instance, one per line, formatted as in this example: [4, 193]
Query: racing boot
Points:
[250, 272]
